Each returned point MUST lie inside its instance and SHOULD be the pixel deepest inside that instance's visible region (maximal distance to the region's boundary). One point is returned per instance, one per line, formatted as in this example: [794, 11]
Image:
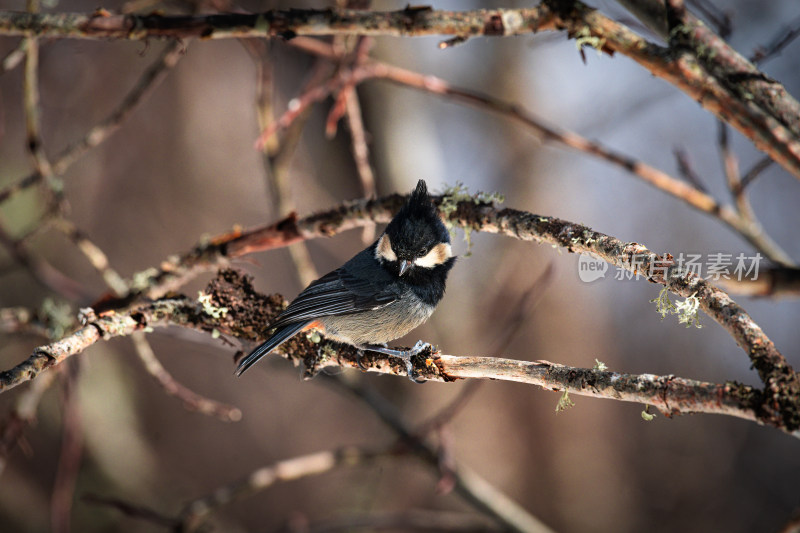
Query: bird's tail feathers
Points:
[279, 337]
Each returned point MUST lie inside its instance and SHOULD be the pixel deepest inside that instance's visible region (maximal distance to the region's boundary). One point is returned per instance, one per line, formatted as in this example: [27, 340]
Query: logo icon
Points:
[590, 268]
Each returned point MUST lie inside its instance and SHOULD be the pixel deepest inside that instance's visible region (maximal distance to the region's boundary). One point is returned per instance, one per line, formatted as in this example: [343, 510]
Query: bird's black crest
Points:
[417, 225]
[420, 194]
[419, 206]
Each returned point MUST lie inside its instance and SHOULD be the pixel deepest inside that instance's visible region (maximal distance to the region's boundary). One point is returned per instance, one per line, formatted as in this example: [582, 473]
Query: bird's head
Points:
[416, 238]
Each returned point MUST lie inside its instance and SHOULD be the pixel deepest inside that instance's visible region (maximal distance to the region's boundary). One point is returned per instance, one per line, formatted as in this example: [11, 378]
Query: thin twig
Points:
[411, 21]
[14, 57]
[670, 394]
[70, 454]
[760, 166]
[748, 229]
[687, 171]
[42, 271]
[147, 82]
[778, 43]
[358, 134]
[406, 520]
[32, 106]
[278, 151]
[291, 469]
[134, 511]
[96, 257]
[192, 401]
[730, 166]
[23, 414]
[360, 147]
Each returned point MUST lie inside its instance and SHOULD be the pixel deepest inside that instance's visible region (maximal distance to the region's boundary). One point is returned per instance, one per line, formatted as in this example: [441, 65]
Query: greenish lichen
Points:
[599, 365]
[454, 195]
[328, 351]
[584, 37]
[209, 308]
[678, 30]
[664, 305]
[647, 416]
[685, 309]
[564, 402]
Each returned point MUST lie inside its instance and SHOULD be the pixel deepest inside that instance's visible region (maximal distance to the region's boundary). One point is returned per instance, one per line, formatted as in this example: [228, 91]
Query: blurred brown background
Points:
[183, 167]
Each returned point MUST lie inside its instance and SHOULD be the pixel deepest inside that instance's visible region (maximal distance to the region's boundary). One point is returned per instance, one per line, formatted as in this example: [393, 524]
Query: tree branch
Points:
[173, 311]
[723, 82]
[313, 464]
[411, 21]
[246, 312]
[782, 383]
[148, 81]
[192, 401]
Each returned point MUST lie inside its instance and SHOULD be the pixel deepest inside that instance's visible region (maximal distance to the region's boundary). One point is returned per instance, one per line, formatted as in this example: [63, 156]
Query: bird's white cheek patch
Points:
[384, 250]
[438, 255]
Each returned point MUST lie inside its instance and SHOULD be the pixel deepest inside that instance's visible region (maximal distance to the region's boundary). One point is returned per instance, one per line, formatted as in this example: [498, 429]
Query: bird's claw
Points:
[413, 375]
[405, 355]
[418, 348]
[359, 356]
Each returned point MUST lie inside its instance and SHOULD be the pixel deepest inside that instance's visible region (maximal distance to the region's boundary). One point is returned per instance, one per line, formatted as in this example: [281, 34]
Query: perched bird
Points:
[381, 294]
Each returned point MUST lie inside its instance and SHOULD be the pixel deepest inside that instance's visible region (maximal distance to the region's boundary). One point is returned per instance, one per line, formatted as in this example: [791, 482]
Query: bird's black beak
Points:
[405, 266]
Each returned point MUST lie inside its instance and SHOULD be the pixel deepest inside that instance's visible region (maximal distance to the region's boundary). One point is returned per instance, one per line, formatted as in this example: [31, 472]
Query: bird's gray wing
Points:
[338, 293]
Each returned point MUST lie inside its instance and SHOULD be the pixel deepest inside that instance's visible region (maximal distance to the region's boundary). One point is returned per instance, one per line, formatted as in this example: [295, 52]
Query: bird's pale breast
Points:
[378, 326]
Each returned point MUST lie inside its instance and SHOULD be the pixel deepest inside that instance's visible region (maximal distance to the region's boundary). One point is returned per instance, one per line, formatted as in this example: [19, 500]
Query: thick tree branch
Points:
[728, 66]
[776, 406]
[761, 109]
[175, 311]
[484, 217]
[782, 383]
[767, 128]
[669, 394]
[411, 21]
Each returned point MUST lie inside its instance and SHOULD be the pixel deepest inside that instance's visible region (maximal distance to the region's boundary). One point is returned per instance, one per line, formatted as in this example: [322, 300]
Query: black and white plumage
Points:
[379, 295]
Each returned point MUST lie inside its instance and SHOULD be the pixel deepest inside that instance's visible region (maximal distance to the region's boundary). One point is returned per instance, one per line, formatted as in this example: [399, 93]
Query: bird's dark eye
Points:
[423, 252]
